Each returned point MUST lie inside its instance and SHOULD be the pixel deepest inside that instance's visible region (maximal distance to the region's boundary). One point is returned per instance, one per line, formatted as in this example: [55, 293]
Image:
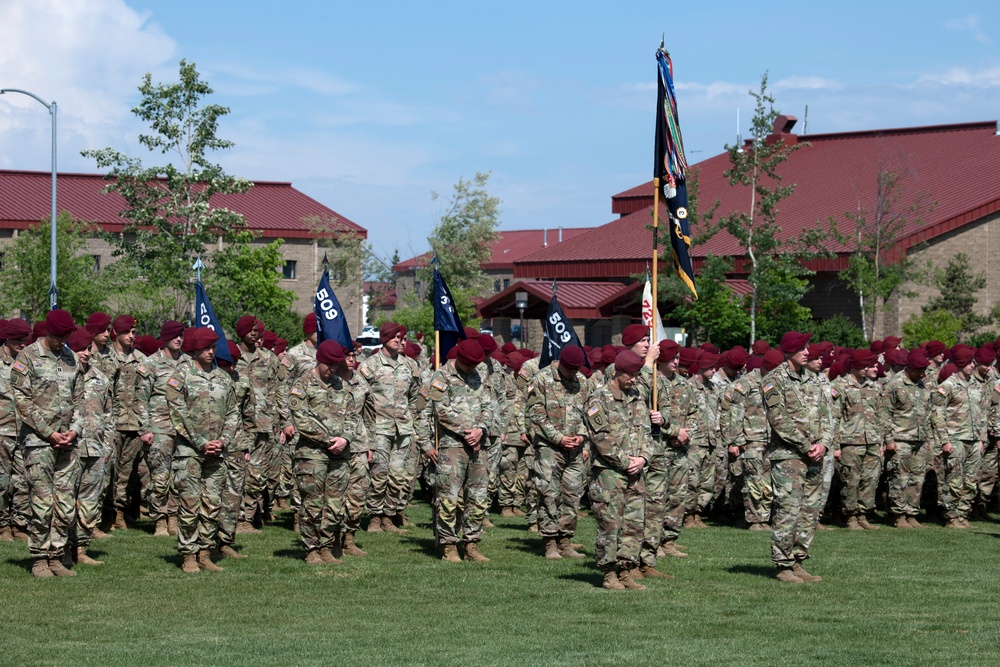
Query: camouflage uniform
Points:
[555, 408]
[618, 424]
[743, 424]
[658, 471]
[703, 447]
[320, 412]
[237, 459]
[991, 458]
[683, 406]
[260, 367]
[904, 421]
[359, 478]
[980, 390]
[936, 461]
[825, 397]
[94, 447]
[799, 417]
[9, 427]
[278, 474]
[160, 453]
[129, 384]
[860, 442]
[48, 393]
[513, 470]
[390, 411]
[523, 379]
[459, 402]
[494, 379]
[203, 408]
[299, 359]
[956, 419]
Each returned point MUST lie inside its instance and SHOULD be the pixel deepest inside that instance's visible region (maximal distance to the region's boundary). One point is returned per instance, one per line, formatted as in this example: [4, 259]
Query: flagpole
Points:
[437, 349]
[656, 238]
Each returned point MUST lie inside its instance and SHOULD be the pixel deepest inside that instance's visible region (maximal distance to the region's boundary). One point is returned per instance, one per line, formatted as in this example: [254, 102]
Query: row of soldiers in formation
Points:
[83, 414]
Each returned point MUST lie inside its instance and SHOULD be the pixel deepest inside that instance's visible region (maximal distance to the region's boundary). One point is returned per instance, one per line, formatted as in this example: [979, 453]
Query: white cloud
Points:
[970, 23]
[510, 91]
[987, 77]
[807, 83]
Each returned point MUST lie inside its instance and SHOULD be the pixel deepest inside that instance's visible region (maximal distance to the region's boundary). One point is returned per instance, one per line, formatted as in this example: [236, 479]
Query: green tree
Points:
[25, 273]
[838, 329]
[931, 325]
[244, 279]
[874, 273]
[168, 213]
[958, 285]
[718, 315]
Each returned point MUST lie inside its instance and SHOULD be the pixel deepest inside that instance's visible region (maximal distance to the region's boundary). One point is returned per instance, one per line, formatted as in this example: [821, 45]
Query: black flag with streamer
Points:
[330, 321]
[557, 333]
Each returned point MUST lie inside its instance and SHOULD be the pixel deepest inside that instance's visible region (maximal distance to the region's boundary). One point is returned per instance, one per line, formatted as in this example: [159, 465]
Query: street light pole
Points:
[53, 292]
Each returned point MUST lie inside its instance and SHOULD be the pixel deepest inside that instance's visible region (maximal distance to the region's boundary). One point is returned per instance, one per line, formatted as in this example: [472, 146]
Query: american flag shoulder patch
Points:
[286, 363]
[142, 370]
[833, 392]
[296, 391]
[593, 410]
[439, 384]
[523, 373]
[768, 387]
[424, 392]
[942, 391]
[19, 367]
[367, 372]
[174, 382]
[997, 388]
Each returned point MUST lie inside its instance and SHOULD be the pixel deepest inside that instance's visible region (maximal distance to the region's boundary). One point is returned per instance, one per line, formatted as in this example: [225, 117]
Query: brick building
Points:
[273, 210]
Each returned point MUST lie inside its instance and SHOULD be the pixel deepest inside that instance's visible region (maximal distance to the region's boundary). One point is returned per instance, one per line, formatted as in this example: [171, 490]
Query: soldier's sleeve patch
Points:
[531, 388]
[174, 382]
[424, 392]
[943, 391]
[438, 384]
[997, 388]
[523, 373]
[20, 368]
[296, 391]
[768, 387]
[833, 392]
[367, 372]
[286, 363]
[142, 370]
[740, 388]
[729, 395]
[593, 410]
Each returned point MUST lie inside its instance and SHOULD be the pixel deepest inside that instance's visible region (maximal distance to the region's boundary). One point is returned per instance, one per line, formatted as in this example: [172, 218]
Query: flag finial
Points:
[435, 261]
[326, 262]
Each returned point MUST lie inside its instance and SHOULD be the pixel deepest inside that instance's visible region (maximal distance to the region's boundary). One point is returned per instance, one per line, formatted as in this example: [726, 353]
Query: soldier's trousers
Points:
[52, 475]
[939, 465]
[322, 486]
[654, 513]
[701, 479]
[128, 455]
[283, 470]
[234, 485]
[989, 472]
[971, 471]
[798, 501]
[721, 479]
[198, 486]
[513, 476]
[89, 497]
[530, 492]
[7, 444]
[159, 457]
[757, 494]
[675, 497]
[493, 455]
[358, 481]
[390, 485]
[256, 482]
[462, 486]
[618, 502]
[560, 484]
[956, 505]
[906, 468]
[410, 465]
[860, 467]
[20, 503]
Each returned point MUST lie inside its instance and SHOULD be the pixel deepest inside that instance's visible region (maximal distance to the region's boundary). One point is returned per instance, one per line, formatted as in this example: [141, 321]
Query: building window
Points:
[97, 263]
[416, 287]
[288, 270]
[506, 283]
[496, 286]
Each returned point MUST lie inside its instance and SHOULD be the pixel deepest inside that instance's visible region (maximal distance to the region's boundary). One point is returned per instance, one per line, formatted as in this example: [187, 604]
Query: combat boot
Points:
[787, 576]
[801, 573]
[670, 549]
[335, 548]
[626, 576]
[160, 529]
[533, 528]
[689, 521]
[486, 522]
[518, 511]
[313, 557]
[611, 582]
[653, 573]
[227, 551]
[507, 511]
[57, 568]
[698, 522]
[351, 547]
[821, 526]
[19, 534]
[99, 534]
[5, 534]
[388, 526]
[327, 557]
[472, 553]
[246, 528]
[552, 549]
[375, 524]
[566, 549]
[83, 559]
[901, 522]
[852, 523]
[759, 527]
[205, 561]
[912, 520]
[449, 554]
[190, 565]
[40, 568]
[954, 523]
[119, 523]
[172, 525]
[863, 522]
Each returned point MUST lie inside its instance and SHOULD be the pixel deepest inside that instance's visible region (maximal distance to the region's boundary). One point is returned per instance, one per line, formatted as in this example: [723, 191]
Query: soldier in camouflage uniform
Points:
[461, 408]
[513, 470]
[523, 378]
[13, 515]
[237, 456]
[981, 389]
[555, 401]
[825, 395]
[206, 415]
[935, 350]
[301, 358]
[618, 425]
[361, 454]
[321, 411]
[49, 394]
[903, 418]
[390, 412]
[279, 478]
[704, 441]
[99, 325]
[859, 440]
[801, 433]
[990, 469]
[726, 484]
[494, 379]
[94, 445]
[957, 423]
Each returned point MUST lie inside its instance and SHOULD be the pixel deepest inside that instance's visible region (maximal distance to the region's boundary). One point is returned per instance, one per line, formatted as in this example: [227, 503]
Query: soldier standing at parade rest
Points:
[206, 416]
[801, 434]
[617, 422]
[99, 324]
[461, 406]
[13, 506]
[238, 457]
[361, 453]
[48, 393]
[859, 440]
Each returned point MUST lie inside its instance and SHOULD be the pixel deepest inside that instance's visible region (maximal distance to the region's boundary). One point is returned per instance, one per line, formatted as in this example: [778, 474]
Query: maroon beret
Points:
[508, 348]
[707, 360]
[985, 356]
[499, 357]
[245, 325]
[708, 347]
[596, 357]
[3, 330]
[59, 323]
[80, 340]
[962, 355]
[270, 338]
[146, 344]
[760, 347]
[471, 333]
[934, 347]
[572, 357]
[689, 355]
[735, 358]
[862, 359]
[891, 342]
[876, 347]
[488, 343]
[412, 350]
[608, 354]
[453, 353]
[260, 327]
[309, 324]
[188, 342]
[628, 361]
[17, 329]
[280, 345]
[793, 341]
[470, 353]
[514, 361]
[917, 360]
[389, 330]
[633, 334]
[330, 352]
[98, 323]
[668, 350]
[202, 338]
[124, 323]
[814, 351]
[234, 351]
[171, 329]
[753, 363]
[898, 356]
[586, 372]
[38, 330]
[946, 372]
[773, 359]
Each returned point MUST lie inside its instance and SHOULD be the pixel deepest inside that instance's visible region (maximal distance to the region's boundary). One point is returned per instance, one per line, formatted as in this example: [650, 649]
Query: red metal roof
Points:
[579, 300]
[273, 209]
[382, 294]
[509, 247]
[955, 165]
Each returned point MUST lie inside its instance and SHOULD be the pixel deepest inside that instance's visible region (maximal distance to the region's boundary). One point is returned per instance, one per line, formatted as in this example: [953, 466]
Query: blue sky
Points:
[370, 108]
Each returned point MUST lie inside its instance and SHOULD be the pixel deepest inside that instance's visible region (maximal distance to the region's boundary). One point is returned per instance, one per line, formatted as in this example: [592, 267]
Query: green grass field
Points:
[927, 597]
